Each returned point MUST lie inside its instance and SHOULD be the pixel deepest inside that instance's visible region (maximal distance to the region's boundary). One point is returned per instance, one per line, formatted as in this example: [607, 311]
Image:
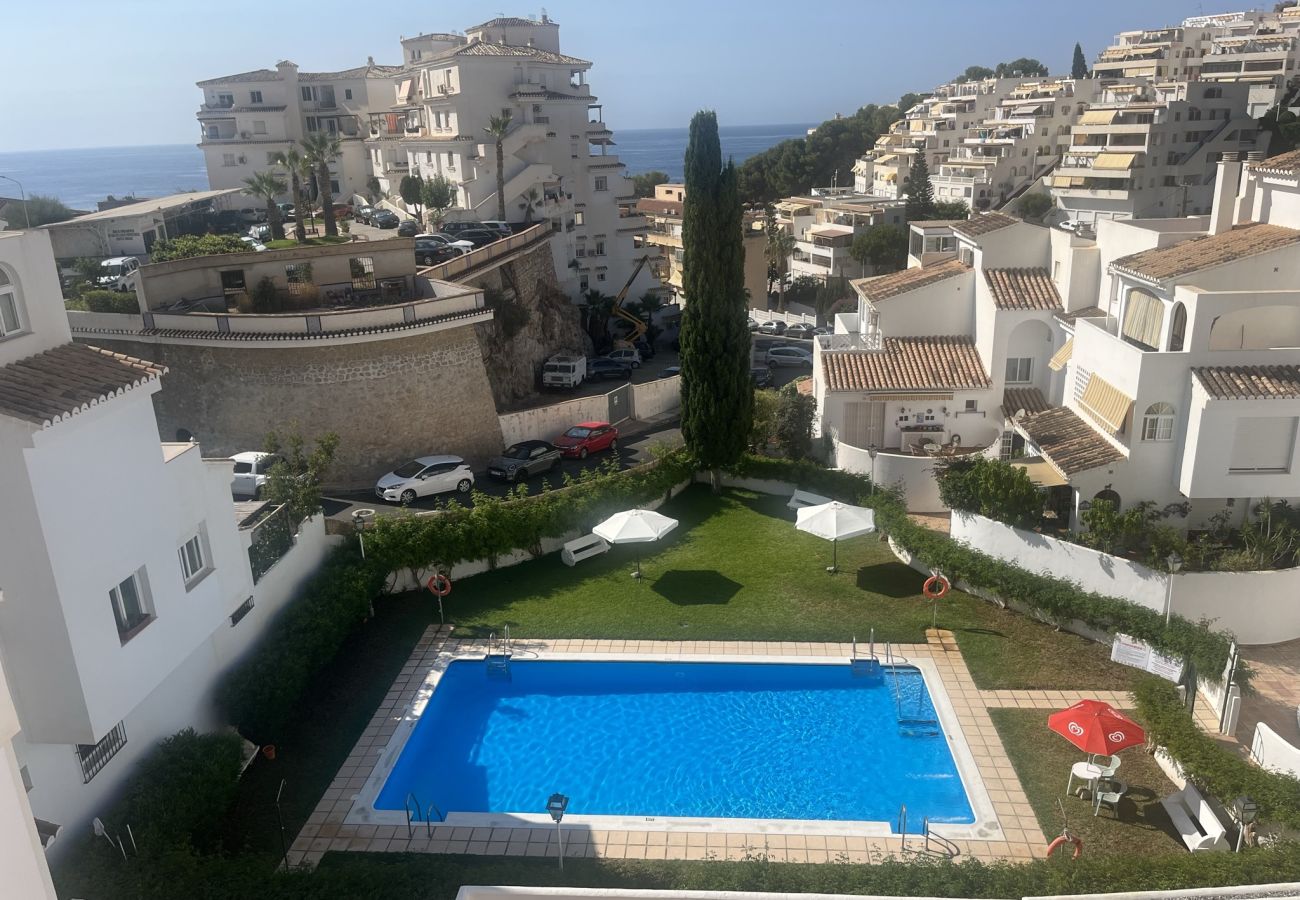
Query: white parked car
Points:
[118, 273]
[425, 476]
[251, 468]
[789, 356]
[628, 356]
[253, 243]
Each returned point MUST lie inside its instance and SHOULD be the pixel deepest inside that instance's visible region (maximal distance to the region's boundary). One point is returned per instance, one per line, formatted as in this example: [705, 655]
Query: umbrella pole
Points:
[637, 573]
[835, 562]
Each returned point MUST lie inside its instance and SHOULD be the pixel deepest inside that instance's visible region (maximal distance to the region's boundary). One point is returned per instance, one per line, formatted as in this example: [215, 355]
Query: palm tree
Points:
[598, 306]
[297, 166]
[269, 187]
[530, 202]
[780, 244]
[321, 149]
[496, 129]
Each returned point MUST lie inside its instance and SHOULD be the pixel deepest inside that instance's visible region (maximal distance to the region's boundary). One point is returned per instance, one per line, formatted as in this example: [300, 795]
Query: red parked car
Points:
[587, 437]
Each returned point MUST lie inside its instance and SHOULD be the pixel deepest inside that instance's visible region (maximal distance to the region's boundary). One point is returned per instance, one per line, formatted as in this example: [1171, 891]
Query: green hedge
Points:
[1056, 598]
[106, 301]
[1219, 772]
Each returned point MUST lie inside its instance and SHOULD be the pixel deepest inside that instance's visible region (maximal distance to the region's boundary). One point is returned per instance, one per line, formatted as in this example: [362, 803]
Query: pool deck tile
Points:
[1023, 837]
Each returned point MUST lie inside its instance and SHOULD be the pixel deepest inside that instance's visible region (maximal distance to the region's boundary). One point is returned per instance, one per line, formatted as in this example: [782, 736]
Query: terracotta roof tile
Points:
[1283, 162]
[1086, 312]
[1031, 400]
[1022, 289]
[883, 287]
[1249, 382]
[907, 364]
[483, 48]
[1206, 252]
[983, 224]
[255, 75]
[659, 207]
[1067, 441]
[508, 22]
[71, 378]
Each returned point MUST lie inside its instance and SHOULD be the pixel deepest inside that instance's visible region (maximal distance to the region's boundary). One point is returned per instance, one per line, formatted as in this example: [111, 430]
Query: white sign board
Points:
[1130, 651]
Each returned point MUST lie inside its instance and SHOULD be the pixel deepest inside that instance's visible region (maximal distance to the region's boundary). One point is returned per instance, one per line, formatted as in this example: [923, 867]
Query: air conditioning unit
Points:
[243, 160]
[444, 89]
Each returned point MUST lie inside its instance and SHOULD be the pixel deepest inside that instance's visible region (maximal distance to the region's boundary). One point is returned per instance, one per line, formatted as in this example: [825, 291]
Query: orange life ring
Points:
[1067, 839]
[931, 591]
[439, 585]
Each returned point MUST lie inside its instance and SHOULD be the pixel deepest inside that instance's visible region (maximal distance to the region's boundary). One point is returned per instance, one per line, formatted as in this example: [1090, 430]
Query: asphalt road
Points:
[634, 449]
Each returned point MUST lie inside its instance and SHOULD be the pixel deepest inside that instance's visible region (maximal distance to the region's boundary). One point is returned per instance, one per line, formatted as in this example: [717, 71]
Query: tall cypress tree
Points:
[1079, 68]
[717, 395]
[920, 195]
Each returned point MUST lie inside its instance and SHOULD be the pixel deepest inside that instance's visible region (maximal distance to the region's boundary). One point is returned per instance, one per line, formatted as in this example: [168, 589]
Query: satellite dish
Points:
[1020, 414]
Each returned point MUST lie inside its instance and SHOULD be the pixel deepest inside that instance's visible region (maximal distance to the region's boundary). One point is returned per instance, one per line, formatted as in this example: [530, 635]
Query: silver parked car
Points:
[789, 356]
[521, 460]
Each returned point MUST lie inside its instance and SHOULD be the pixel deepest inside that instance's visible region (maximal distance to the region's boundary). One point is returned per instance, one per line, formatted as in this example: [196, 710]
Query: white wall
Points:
[945, 307]
[26, 258]
[545, 423]
[1257, 607]
[654, 398]
[1271, 752]
[915, 474]
[22, 860]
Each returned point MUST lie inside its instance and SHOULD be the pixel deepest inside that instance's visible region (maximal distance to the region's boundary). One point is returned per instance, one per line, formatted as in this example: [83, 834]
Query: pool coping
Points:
[986, 827]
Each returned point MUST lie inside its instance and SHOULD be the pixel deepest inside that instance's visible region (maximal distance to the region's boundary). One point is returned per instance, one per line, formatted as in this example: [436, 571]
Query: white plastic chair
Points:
[1108, 791]
[1111, 767]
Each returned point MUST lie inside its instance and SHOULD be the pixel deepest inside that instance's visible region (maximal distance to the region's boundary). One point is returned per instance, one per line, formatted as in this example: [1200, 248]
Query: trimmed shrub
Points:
[991, 488]
[106, 302]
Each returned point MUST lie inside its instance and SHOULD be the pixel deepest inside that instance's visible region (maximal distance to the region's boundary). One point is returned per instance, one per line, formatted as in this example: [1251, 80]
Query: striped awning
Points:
[1114, 161]
[1040, 472]
[1098, 117]
[1104, 402]
[1062, 356]
[913, 398]
[887, 158]
[1066, 181]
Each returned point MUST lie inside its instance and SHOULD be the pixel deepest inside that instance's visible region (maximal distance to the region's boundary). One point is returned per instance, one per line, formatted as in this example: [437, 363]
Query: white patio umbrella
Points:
[635, 526]
[836, 521]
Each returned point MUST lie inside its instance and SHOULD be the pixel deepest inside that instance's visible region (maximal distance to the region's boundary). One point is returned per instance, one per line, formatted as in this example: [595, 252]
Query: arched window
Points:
[1158, 423]
[10, 306]
[1178, 328]
[1109, 496]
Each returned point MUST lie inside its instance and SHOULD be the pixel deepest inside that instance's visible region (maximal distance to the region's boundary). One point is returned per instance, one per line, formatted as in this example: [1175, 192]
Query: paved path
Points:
[1276, 696]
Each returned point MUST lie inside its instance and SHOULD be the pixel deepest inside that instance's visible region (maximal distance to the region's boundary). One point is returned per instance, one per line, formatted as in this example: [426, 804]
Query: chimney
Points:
[1225, 193]
[370, 62]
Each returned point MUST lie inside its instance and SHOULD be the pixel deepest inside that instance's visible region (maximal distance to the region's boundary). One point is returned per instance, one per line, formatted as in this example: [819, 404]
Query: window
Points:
[308, 93]
[600, 276]
[363, 273]
[1178, 328]
[255, 97]
[225, 100]
[583, 283]
[334, 186]
[1263, 445]
[600, 248]
[1158, 423]
[233, 282]
[579, 218]
[299, 276]
[193, 557]
[94, 757]
[972, 405]
[227, 159]
[347, 93]
[130, 605]
[602, 183]
[1020, 369]
[313, 124]
[10, 320]
[259, 126]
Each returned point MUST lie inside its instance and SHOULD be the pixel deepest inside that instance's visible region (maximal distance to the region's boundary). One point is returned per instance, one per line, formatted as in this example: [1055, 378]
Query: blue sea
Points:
[81, 177]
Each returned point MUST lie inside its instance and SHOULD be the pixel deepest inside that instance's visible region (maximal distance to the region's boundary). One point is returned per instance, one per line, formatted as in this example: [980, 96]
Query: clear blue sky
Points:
[85, 73]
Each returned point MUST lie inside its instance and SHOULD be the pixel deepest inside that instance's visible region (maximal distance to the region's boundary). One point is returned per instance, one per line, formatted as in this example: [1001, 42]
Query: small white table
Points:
[1084, 771]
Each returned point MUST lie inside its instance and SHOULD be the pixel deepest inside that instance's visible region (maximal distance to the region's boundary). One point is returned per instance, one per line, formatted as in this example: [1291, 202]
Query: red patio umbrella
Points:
[1097, 728]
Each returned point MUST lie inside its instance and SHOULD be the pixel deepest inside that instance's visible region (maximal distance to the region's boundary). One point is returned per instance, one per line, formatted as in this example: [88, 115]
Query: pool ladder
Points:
[866, 666]
[914, 721]
[413, 816]
[498, 655]
[932, 841]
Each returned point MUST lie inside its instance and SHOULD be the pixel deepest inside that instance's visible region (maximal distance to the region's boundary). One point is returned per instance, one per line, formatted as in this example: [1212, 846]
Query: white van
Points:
[118, 273]
[564, 371]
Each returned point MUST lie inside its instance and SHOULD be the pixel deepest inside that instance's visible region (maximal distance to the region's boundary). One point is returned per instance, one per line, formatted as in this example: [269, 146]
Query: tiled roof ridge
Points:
[51, 386]
[882, 287]
[1026, 287]
[985, 223]
[1197, 254]
[1250, 382]
[933, 362]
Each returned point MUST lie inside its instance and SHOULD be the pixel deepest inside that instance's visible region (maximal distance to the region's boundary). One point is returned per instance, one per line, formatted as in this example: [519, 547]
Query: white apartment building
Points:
[1158, 362]
[1021, 139]
[125, 573]
[934, 126]
[246, 119]
[1149, 149]
[556, 162]
[824, 225]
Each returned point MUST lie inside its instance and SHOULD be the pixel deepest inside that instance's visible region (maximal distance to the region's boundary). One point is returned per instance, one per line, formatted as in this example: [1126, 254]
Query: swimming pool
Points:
[692, 740]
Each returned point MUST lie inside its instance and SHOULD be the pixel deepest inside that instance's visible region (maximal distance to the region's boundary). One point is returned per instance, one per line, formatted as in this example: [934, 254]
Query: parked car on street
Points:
[789, 356]
[601, 367]
[458, 227]
[761, 375]
[260, 233]
[384, 218]
[523, 459]
[117, 274]
[479, 237]
[449, 239]
[751, 323]
[564, 371]
[775, 326]
[626, 355]
[431, 253]
[425, 476]
[253, 243]
[503, 228]
[800, 330]
[670, 371]
[408, 228]
[251, 469]
[363, 213]
[645, 348]
[586, 438]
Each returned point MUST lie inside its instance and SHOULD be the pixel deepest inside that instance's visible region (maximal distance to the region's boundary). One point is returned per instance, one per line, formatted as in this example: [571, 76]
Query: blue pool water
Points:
[716, 740]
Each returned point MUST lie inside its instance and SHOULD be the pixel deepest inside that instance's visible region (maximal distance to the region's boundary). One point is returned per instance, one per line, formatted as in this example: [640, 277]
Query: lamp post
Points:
[1174, 562]
[872, 450]
[1246, 809]
[556, 806]
[27, 214]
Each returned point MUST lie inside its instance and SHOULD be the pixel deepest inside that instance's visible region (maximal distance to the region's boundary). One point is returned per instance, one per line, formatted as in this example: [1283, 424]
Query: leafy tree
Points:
[803, 290]
[992, 488]
[1079, 67]
[717, 395]
[907, 101]
[951, 209]
[1034, 206]
[779, 246]
[438, 195]
[268, 186]
[496, 128]
[920, 195]
[529, 202]
[974, 73]
[320, 149]
[598, 307]
[883, 246]
[794, 422]
[296, 479]
[1283, 127]
[374, 190]
[36, 211]
[763, 428]
[187, 246]
[1025, 66]
[643, 185]
[411, 190]
[298, 168]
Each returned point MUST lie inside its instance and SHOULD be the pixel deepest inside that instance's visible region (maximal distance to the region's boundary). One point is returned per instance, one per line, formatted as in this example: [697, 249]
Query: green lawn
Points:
[289, 243]
[1043, 759]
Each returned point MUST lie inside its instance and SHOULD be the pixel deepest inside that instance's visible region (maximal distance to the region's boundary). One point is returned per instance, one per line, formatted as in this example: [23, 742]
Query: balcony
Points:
[854, 340]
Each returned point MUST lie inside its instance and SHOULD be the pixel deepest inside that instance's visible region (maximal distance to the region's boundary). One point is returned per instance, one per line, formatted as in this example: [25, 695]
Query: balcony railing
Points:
[852, 341]
[272, 539]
